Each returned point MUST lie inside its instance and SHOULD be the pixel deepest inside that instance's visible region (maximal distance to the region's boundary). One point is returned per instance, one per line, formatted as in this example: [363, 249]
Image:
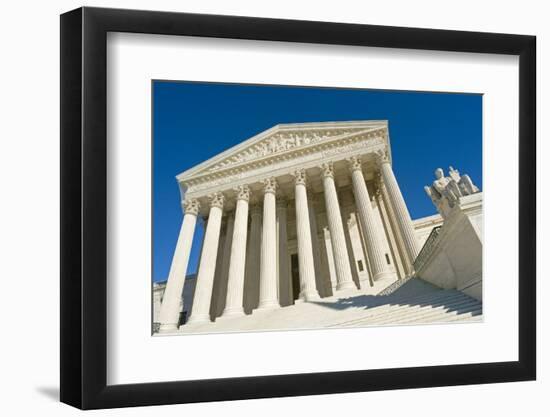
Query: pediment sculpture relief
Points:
[281, 142]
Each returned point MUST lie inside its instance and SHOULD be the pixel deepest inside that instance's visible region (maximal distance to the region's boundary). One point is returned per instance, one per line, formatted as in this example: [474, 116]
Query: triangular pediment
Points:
[278, 140]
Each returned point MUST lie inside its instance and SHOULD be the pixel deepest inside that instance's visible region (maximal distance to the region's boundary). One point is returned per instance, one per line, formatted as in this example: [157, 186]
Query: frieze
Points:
[279, 143]
[256, 171]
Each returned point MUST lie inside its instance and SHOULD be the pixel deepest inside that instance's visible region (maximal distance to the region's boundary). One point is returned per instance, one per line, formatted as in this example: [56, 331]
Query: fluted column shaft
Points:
[268, 259]
[308, 289]
[169, 310]
[337, 237]
[403, 218]
[373, 240]
[223, 274]
[253, 260]
[207, 266]
[235, 282]
[320, 278]
[285, 283]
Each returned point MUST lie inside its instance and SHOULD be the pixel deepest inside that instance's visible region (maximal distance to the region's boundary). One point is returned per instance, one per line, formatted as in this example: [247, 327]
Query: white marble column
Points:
[326, 265]
[205, 277]
[235, 281]
[285, 283]
[338, 239]
[373, 240]
[169, 311]
[252, 275]
[320, 277]
[330, 260]
[346, 217]
[403, 218]
[388, 223]
[308, 289]
[268, 259]
[224, 266]
[219, 267]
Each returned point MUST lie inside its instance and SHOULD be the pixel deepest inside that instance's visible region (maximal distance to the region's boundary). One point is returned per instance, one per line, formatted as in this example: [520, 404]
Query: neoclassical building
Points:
[295, 214]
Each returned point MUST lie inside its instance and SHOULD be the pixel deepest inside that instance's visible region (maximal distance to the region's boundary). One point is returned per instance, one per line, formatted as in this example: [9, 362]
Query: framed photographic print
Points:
[258, 208]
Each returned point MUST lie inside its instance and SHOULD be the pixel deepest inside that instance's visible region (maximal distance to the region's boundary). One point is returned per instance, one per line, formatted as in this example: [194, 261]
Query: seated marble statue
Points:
[445, 191]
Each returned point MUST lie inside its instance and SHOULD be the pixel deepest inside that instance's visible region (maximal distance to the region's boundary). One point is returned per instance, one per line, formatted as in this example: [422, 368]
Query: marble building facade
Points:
[295, 214]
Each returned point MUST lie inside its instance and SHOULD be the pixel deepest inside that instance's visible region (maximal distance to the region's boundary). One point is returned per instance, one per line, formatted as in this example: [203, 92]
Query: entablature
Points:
[220, 176]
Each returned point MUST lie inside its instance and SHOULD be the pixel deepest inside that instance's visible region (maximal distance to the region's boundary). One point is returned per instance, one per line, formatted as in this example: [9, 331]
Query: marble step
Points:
[405, 304]
[414, 289]
[430, 316]
[439, 301]
[474, 315]
[416, 311]
[396, 302]
[474, 318]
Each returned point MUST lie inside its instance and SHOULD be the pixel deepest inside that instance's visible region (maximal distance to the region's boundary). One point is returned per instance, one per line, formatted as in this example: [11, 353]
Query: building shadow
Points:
[49, 392]
[414, 293]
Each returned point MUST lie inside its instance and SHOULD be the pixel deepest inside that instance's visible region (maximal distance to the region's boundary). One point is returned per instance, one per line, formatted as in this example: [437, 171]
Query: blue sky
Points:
[195, 121]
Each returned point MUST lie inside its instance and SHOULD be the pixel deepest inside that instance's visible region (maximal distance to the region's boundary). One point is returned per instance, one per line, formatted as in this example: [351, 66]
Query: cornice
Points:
[216, 163]
[305, 158]
[325, 154]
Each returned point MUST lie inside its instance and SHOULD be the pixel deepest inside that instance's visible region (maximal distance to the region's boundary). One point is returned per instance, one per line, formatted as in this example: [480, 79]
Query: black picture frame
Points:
[84, 207]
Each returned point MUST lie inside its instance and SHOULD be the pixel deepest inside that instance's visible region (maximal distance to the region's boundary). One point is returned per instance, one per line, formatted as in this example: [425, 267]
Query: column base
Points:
[198, 319]
[310, 296]
[346, 286]
[230, 313]
[382, 276]
[268, 305]
[168, 328]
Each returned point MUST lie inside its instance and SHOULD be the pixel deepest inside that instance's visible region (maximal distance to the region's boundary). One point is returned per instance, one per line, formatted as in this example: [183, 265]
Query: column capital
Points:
[299, 176]
[270, 185]
[191, 206]
[382, 156]
[354, 163]
[216, 200]
[327, 170]
[243, 192]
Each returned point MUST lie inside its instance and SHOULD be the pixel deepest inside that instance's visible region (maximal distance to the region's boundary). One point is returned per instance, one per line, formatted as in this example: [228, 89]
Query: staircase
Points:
[416, 302]
[411, 302]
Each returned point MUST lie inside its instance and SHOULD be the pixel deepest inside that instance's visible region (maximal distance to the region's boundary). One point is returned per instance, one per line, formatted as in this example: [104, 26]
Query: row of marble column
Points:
[268, 285]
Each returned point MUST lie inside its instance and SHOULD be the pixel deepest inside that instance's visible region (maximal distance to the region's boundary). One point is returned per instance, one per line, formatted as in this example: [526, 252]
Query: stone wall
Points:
[452, 256]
